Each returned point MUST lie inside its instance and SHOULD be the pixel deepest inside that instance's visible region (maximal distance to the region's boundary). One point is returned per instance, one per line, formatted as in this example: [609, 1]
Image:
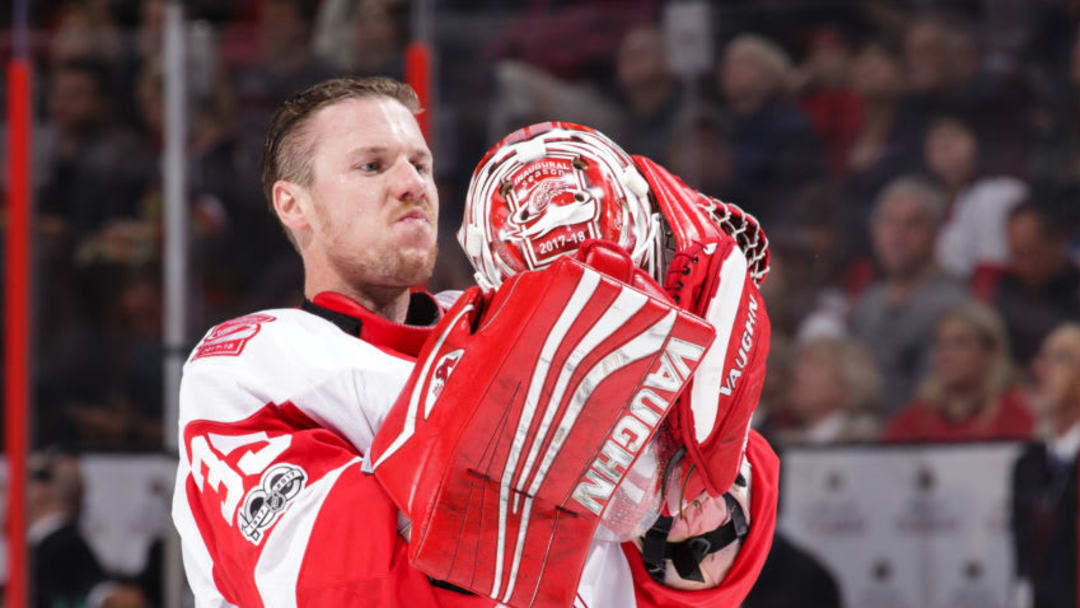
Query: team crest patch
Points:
[443, 369]
[265, 503]
[229, 338]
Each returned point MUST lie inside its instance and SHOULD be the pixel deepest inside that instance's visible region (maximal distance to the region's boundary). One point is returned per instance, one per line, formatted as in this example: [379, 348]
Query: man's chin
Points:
[414, 266]
[387, 270]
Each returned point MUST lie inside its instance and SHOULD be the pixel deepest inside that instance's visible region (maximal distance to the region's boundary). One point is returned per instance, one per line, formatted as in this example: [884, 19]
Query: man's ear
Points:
[292, 204]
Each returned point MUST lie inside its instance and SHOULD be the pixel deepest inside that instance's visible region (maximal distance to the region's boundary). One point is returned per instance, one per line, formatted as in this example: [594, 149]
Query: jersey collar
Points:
[349, 315]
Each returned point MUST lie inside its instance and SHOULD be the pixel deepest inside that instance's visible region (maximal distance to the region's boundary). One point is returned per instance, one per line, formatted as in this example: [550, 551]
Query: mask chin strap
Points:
[686, 555]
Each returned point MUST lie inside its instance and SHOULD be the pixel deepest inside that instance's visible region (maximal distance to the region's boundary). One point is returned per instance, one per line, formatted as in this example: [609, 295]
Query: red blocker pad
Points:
[524, 413]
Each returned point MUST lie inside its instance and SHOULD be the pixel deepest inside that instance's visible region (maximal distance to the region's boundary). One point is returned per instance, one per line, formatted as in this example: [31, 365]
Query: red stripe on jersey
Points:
[229, 483]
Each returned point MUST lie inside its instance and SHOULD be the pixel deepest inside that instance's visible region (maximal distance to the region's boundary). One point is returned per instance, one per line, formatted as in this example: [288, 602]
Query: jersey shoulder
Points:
[272, 356]
[271, 339]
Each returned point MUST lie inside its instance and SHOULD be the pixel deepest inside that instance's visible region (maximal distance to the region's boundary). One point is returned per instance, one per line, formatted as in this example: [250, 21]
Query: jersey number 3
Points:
[265, 500]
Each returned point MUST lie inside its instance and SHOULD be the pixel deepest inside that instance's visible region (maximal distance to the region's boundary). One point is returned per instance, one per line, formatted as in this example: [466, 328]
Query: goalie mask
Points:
[543, 190]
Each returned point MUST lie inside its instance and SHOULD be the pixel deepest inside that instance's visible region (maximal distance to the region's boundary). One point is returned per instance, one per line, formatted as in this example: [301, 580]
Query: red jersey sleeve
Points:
[287, 516]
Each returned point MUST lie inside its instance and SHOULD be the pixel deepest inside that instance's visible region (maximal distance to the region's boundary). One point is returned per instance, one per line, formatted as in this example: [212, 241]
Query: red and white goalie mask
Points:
[543, 190]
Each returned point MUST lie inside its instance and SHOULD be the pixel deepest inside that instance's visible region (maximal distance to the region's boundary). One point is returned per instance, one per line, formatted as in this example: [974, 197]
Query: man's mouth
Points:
[414, 216]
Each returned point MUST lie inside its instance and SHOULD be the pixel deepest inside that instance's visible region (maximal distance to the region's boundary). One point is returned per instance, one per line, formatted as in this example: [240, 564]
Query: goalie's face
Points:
[372, 206]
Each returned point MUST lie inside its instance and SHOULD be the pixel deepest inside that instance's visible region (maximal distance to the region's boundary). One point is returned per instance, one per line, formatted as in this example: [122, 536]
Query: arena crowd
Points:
[915, 163]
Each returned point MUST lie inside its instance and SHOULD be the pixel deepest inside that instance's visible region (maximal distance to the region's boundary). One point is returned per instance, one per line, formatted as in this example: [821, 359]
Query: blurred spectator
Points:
[86, 31]
[1056, 155]
[769, 416]
[807, 265]
[833, 395]
[526, 95]
[1044, 483]
[700, 151]
[283, 65]
[1041, 288]
[947, 75]
[973, 235]
[877, 82]
[879, 152]
[651, 95]
[101, 386]
[97, 170]
[572, 41]
[792, 576]
[776, 151]
[223, 223]
[381, 34]
[285, 30]
[363, 36]
[940, 64]
[150, 35]
[969, 394]
[63, 568]
[927, 56]
[827, 98]
[896, 315]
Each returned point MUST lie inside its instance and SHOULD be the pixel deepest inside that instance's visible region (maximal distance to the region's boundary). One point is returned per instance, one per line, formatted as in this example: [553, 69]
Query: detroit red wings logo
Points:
[229, 338]
[552, 211]
[443, 368]
[552, 205]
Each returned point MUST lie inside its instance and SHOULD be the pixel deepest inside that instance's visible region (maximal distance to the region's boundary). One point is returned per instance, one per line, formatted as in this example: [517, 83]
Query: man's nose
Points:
[407, 184]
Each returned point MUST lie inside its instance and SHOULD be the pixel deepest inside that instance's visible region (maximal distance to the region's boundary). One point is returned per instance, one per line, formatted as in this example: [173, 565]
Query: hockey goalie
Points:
[573, 431]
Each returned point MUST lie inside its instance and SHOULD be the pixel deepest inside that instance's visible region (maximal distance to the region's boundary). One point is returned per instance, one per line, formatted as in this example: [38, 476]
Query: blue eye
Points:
[422, 168]
[369, 167]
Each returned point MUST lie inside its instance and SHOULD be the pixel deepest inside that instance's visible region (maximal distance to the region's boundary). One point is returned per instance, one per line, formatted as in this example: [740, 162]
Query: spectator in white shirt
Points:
[973, 234]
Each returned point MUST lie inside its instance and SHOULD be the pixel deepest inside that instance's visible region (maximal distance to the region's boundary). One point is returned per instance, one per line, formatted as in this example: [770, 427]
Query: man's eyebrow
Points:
[421, 152]
[367, 149]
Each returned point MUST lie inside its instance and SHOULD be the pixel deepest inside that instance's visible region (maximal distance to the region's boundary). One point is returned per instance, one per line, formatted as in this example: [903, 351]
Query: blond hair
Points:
[992, 336]
[858, 371]
[767, 54]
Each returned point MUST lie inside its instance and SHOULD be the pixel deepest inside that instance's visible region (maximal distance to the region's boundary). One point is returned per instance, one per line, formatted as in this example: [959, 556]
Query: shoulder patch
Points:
[229, 338]
[265, 503]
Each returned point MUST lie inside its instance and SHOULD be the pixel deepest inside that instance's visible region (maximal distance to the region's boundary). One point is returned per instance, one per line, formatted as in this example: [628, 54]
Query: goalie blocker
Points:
[524, 413]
